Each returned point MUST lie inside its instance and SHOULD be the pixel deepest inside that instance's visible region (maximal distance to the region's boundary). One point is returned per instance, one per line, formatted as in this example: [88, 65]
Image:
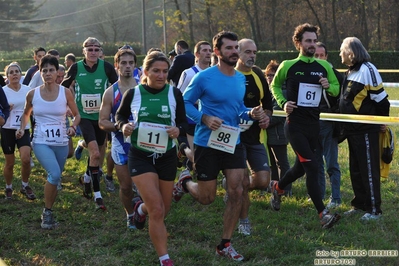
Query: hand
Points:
[289, 107]
[257, 113]
[212, 122]
[19, 133]
[173, 132]
[71, 132]
[324, 82]
[264, 123]
[127, 129]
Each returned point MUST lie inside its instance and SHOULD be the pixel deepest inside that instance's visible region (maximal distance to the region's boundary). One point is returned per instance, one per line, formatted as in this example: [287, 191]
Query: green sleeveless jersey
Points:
[89, 90]
[158, 109]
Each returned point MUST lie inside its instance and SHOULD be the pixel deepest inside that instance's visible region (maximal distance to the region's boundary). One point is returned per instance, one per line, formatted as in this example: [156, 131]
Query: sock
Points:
[244, 221]
[129, 215]
[25, 184]
[223, 243]
[97, 195]
[163, 257]
[86, 178]
[94, 176]
[9, 186]
[109, 177]
[140, 210]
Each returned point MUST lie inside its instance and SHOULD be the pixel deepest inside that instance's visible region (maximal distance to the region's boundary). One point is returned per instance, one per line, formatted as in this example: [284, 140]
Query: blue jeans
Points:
[329, 149]
[53, 159]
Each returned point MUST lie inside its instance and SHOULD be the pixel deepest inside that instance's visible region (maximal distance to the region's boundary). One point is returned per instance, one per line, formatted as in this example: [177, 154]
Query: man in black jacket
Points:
[184, 59]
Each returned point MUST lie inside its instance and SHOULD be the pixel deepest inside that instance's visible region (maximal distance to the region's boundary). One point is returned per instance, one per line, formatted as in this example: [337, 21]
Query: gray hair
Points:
[355, 50]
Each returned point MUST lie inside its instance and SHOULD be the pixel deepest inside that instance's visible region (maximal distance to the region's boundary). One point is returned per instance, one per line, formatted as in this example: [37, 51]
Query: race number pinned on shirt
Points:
[309, 95]
[52, 133]
[245, 124]
[152, 137]
[15, 118]
[91, 103]
[224, 138]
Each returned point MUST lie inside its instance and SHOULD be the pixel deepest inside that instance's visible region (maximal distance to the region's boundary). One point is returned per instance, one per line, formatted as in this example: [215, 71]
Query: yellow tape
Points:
[366, 119]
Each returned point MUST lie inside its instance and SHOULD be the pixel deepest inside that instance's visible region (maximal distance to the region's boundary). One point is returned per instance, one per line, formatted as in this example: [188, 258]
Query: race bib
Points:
[15, 118]
[245, 124]
[224, 138]
[309, 95]
[91, 103]
[52, 133]
[152, 137]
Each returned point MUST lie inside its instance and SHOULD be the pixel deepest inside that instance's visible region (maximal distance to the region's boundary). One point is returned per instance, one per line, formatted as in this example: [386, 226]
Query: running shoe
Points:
[79, 150]
[275, 199]
[328, 220]
[333, 204]
[130, 223]
[178, 190]
[48, 221]
[139, 220]
[167, 262]
[87, 193]
[100, 204]
[370, 217]
[8, 193]
[244, 228]
[109, 184]
[229, 252]
[353, 211]
[28, 192]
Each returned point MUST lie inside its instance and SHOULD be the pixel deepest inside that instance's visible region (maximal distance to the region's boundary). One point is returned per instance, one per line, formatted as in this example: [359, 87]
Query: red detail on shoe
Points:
[167, 262]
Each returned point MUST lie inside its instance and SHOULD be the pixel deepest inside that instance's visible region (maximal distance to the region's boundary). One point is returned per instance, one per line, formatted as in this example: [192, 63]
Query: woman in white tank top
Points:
[49, 103]
[16, 93]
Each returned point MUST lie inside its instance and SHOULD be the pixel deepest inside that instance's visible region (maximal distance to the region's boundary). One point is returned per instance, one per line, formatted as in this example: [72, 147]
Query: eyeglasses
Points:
[91, 50]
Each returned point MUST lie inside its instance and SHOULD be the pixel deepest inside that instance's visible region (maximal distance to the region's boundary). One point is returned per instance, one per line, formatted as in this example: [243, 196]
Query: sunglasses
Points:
[93, 50]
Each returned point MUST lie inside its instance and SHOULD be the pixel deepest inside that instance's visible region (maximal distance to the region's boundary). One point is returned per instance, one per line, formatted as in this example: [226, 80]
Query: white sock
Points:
[97, 195]
[129, 215]
[164, 257]
[9, 186]
[25, 184]
[140, 210]
[86, 178]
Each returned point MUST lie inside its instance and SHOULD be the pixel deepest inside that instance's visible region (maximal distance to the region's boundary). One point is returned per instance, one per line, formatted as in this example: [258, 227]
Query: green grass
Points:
[288, 237]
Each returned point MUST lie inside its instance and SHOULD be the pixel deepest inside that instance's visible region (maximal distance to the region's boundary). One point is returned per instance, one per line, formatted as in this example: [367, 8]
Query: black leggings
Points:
[304, 141]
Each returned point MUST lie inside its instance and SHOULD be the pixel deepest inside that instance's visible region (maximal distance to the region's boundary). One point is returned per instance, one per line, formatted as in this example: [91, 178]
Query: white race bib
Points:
[152, 137]
[15, 118]
[224, 138]
[52, 133]
[309, 95]
[91, 103]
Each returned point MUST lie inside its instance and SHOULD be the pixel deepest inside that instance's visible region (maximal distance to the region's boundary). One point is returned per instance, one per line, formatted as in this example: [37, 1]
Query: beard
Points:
[310, 51]
[227, 60]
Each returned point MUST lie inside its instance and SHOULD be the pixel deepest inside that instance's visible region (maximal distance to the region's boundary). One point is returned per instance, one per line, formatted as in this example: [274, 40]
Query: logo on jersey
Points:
[142, 114]
[163, 116]
[164, 108]
[82, 74]
[98, 82]
[316, 73]
[300, 73]
[143, 108]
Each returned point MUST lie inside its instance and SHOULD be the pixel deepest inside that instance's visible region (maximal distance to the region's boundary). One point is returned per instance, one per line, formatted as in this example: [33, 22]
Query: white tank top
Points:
[50, 128]
[17, 98]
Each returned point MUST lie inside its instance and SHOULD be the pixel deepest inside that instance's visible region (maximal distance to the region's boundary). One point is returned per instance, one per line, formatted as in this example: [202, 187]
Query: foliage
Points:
[15, 34]
[291, 236]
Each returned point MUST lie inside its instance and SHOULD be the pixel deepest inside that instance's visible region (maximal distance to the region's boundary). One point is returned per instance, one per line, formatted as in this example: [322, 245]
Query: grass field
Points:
[292, 236]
